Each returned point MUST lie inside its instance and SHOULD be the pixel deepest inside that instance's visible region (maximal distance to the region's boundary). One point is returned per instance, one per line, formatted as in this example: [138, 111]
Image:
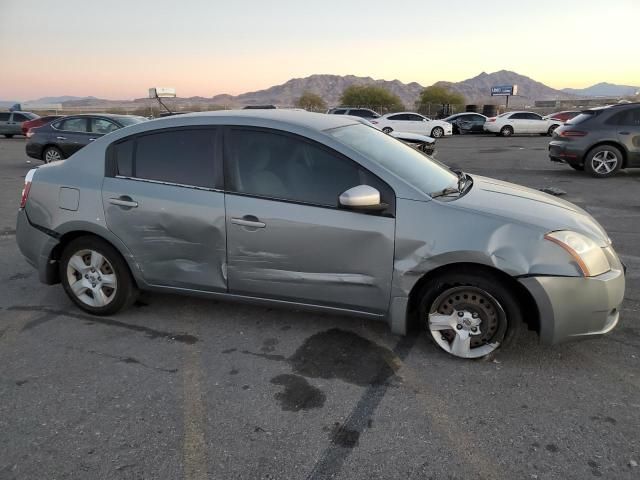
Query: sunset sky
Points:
[119, 48]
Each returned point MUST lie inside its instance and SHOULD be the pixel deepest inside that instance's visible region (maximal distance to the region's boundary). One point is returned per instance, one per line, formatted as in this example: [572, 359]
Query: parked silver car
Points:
[318, 212]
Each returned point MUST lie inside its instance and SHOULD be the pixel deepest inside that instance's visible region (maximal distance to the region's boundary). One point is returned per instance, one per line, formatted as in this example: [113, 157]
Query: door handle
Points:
[248, 221]
[61, 138]
[123, 201]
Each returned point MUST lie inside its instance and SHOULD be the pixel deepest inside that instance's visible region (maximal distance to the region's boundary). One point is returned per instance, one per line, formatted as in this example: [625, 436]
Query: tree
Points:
[312, 102]
[371, 96]
[439, 95]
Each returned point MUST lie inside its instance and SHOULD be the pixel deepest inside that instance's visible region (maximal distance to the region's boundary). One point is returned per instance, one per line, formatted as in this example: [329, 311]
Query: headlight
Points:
[587, 253]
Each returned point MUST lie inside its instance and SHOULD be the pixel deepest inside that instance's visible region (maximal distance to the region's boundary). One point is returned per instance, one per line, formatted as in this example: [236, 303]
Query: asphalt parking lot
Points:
[187, 388]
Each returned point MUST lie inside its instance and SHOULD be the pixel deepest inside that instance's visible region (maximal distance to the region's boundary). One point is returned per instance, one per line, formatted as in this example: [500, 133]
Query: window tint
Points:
[629, 117]
[477, 118]
[533, 116]
[289, 168]
[364, 113]
[518, 116]
[102, 126]
[414, 118]
[73, 125]
[18, 117]
[399, 117]
[339, 112]
[4, 116]
[582, 117]
[185, 157]
[123, 155]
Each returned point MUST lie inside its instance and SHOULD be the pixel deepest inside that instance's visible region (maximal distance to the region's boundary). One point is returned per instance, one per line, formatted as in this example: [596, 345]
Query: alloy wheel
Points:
[604, 162]
[52, 155]
[467, 322]
[92, 278]
[437, 132]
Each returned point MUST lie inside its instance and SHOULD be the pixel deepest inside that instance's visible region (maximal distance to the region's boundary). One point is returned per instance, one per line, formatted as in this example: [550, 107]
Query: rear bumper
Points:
[565, 153]
[33, 150]
[573, 308]
[36, 246]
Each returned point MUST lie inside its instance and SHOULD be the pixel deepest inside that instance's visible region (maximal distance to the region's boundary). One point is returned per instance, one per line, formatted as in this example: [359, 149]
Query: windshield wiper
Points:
[445, 192]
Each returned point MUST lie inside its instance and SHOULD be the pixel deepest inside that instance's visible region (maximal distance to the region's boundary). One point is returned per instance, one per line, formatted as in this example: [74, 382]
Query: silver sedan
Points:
[317, 212]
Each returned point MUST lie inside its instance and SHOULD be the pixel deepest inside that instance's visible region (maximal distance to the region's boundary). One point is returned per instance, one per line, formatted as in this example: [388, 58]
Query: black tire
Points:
[437, 132]
[575, 166]
[506, 131]
[387, 130]
[52, 154]
[508, 327]
[551, 130]
[603, 161]
[8, 135]
[125, 292]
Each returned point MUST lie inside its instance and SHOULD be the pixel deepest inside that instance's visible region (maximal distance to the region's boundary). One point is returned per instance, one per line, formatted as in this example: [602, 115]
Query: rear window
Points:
[583, 117]
[132, 120]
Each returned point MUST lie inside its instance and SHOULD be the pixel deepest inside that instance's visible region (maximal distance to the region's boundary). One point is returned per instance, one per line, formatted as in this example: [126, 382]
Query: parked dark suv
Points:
[62, 138]
[600, 141]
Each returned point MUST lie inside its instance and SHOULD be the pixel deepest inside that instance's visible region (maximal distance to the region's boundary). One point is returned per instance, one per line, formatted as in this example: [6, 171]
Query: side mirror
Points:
[362, 197]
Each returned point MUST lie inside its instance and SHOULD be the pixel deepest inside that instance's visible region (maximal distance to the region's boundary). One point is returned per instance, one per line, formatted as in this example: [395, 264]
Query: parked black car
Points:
[467, 122]
[600, 140]
[62, 138]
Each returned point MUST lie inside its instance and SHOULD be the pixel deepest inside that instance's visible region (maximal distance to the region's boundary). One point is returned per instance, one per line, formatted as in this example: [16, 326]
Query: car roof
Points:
[114, 116]
[403, 113]
[286, 119]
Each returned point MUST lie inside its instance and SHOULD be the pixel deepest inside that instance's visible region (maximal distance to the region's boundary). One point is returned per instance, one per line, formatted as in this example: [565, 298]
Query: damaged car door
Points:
[162, 197]
[289, 239]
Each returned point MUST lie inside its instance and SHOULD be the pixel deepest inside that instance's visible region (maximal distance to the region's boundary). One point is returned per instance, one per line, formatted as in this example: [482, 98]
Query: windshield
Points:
[415, 168]
[126, 121]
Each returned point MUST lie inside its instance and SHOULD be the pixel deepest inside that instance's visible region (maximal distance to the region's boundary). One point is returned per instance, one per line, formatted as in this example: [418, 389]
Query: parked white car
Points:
[511, 123]
[413, 123]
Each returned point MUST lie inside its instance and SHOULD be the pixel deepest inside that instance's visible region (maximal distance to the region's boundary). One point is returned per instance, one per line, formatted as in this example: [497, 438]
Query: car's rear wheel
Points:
[506, 131]
[551, 130]
[387, 129]
[52, 154]
[437, 132]
[8, 135]
[603, 161]
[95, 276]
[470, 315]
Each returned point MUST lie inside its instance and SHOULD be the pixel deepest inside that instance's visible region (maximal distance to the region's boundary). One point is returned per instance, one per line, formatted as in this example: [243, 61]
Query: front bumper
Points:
[572, 308]
[491, 127]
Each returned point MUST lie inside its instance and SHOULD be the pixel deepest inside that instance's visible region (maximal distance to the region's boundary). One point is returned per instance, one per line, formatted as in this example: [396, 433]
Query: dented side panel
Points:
[318, 255]
[176, 234]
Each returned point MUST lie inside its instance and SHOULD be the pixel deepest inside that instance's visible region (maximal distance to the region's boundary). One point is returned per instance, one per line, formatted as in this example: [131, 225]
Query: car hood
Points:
[526, 205]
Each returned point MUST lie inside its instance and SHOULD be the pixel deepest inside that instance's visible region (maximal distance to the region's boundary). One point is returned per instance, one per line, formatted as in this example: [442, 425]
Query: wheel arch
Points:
[87, 231]
[49, 145]
[525, 300]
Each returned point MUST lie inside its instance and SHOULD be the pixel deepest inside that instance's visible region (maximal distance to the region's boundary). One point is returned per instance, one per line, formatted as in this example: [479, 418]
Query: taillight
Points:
[492, 119]
[30, 133]
[27, 187]
[572, 133]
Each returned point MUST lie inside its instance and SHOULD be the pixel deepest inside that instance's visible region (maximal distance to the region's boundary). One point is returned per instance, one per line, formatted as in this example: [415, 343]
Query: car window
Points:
[4, 116]
[415, 168]
[184, 157]
[533, 116]
[477, 118]
[287, 167]
[363, 113]
[414, 118]
[339, 112]
[18, 117]
[518, 116]
[73, 125]
[629, 117]
[127, 120]
[399, 117]
[102, 126]
[582, 117]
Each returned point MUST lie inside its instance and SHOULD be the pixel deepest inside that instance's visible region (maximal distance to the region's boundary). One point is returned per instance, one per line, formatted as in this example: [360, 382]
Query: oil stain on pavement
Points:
[298, 394]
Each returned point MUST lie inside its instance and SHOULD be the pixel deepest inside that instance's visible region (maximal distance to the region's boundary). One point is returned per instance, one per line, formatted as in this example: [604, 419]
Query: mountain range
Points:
[330, 87]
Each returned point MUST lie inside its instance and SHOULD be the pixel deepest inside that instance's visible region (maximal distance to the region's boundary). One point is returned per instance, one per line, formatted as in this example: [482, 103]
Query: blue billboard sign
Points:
[504, 90]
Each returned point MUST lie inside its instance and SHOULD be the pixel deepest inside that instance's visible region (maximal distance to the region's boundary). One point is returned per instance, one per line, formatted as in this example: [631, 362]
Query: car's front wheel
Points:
[387, 129]
[470, 315]
[603, 161]
[52, 154]
[437, 132]
[95, 276]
